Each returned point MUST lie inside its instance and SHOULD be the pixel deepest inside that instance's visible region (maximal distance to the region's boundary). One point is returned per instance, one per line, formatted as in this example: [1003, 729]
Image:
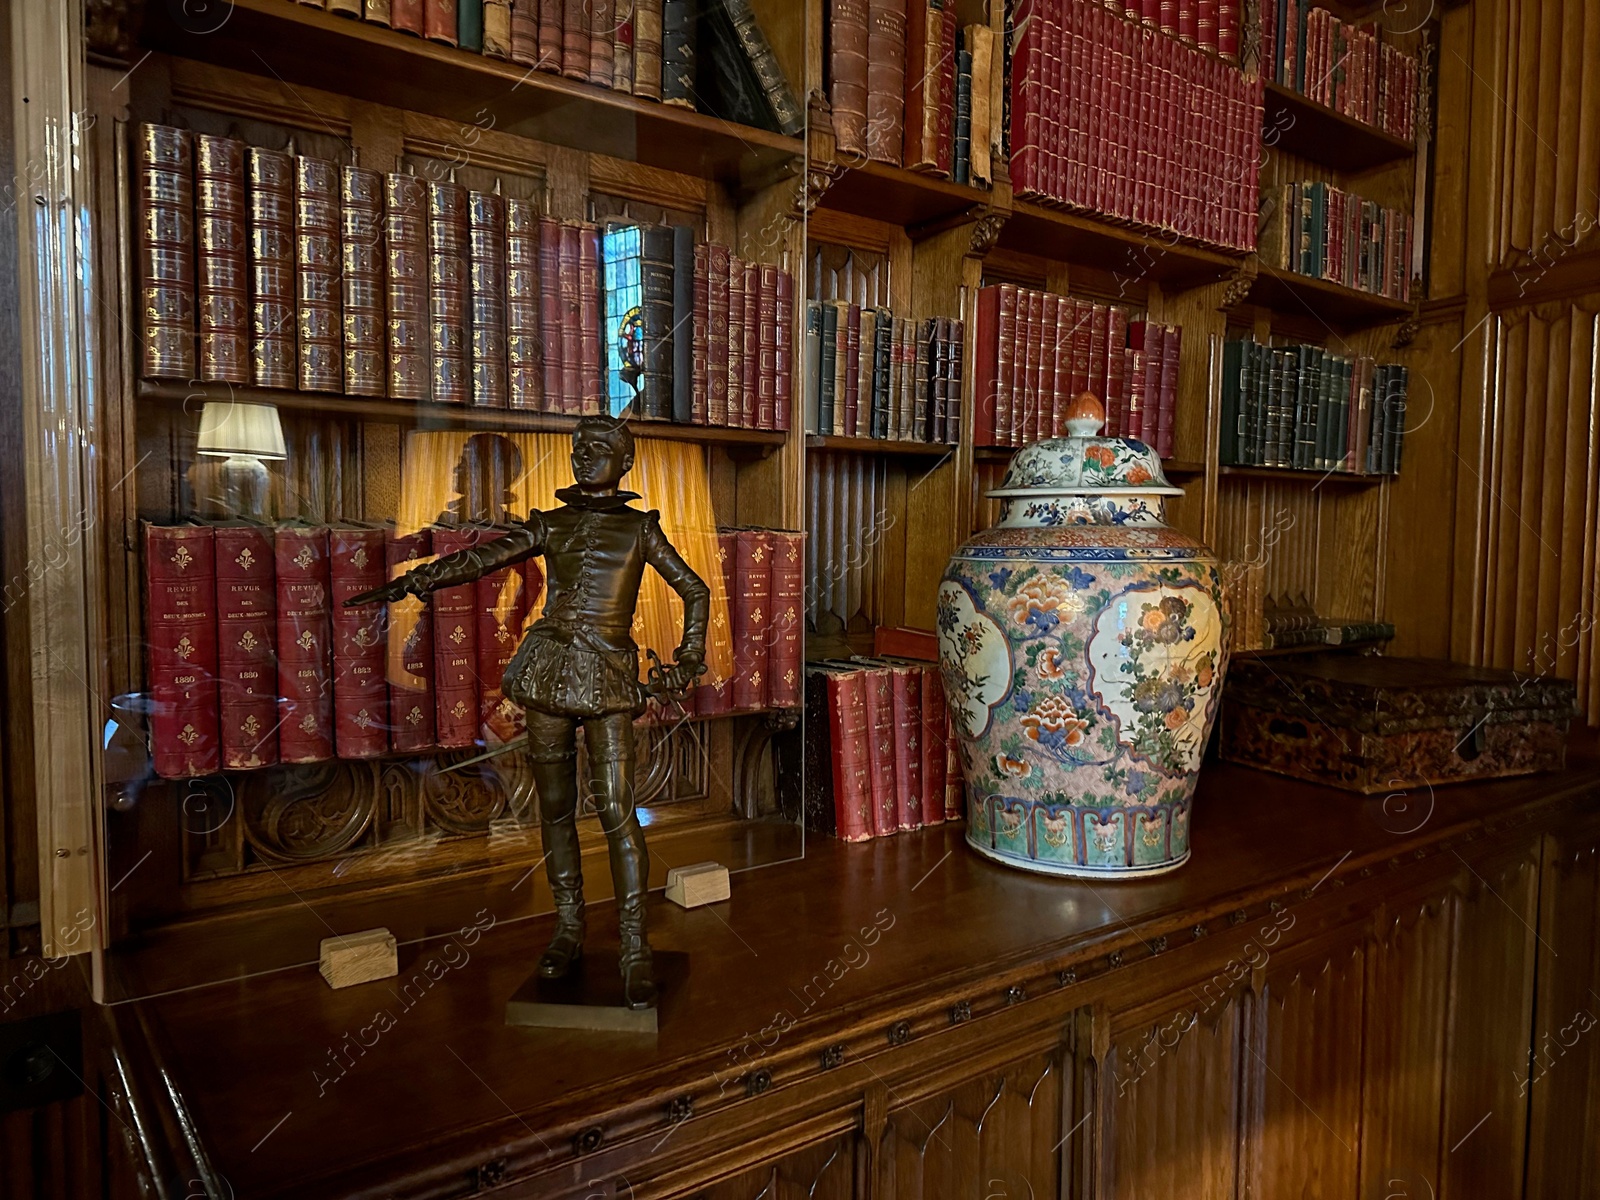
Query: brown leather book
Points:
[717, 334]
[551, 315]
[497, 29]
[575, 39]
[405, 224]
[590, 301]
[750, 614]
[317, 301]
[699, 390]
[788, 619]
[766, 415]
[847, 74]
[905, 692]
[647, 49]
[448, 272]
[486, 234]
[272, 253]
[525, 32]
[880, 749]
[181, 638]
[602, 42]
[305, 643]
[524, 349]
[735, 327]
[784, 353]
[166, 251]
[924, 37]
[551, 14]
[750, 389]
[361, 285]
[570, 292]
[406, 16]
[886, 80]
[980, 43]
[455, 647]
[222, 291]
[410, 649]
[439, 21]
[357, 563]
[622, 46]
[247, 640]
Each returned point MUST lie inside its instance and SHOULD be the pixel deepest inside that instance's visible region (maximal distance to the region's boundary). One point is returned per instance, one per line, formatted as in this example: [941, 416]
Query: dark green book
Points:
[469, 25]
[829, 361]
[1230, 436]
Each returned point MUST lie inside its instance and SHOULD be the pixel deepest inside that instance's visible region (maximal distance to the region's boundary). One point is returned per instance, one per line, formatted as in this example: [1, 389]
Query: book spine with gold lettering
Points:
[222, 294]
[448, 270]
[524, 349]
[552, 313]
[405, 228]
[316, 254]
[486, 236]
[166, 251]
[361, 285]
[272, 294]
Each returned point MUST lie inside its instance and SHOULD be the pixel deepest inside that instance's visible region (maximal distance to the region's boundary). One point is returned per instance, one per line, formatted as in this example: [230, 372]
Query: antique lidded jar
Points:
[1082, 644]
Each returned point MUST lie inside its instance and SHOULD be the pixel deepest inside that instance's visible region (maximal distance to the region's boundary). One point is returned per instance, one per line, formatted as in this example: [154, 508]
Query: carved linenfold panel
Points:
[824, 1171]
[994, 1135]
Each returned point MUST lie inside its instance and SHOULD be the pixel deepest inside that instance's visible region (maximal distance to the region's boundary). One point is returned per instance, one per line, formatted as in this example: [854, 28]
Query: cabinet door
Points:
[824, 1171]
[995, 1137]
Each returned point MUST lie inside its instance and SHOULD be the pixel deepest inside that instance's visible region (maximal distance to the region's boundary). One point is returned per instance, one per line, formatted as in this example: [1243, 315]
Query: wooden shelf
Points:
[1094, 242]
[296, 44]
[1296, 475]
[1331, 303]
[1299, 125]
[442, 416]
[867, 445]
[901, 197]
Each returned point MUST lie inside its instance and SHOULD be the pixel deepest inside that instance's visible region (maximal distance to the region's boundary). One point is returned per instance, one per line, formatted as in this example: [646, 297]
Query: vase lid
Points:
[1085, 465]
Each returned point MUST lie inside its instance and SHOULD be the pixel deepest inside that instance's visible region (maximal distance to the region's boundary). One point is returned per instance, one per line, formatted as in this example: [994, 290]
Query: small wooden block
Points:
[697, 884]
[354, 958]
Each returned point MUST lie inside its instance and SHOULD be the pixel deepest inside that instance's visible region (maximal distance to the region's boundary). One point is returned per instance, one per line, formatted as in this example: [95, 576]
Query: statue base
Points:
[590, 996]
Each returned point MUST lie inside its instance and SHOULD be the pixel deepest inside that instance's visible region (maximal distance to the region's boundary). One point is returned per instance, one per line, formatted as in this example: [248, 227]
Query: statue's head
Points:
[602, 451]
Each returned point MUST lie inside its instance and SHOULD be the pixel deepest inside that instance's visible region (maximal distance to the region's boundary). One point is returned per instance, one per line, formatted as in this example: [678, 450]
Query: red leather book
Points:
[439, 21]
[714, 695]
[1171, 340]
[1144, 341]
[767, 349]
[223, 293]
[851, 348]
[750, 389]
[272, 298]
[358, 562]
[305, 644]
[783, 311]
[524, 343]
[847, 74]
[850, 733]
[954, 787]
[575, 39]
[455, 647]
[1205, 27]
[550, 17]
[699, 392]
[880, 750]
[405, 226]
[750, 605]
[717, 301]
[934, 753]
[592, 398]
[1061, 369]
[448, 275]
[525, 32]
[1116, 358]
[166, 252]
[947, 90]
[1138, 372]
[181, 582]
[1025, 74]
[886, 80]
[551, 327]
[410, 649]
[361, 281]
[735, 326]
[1052, 59]
[486, 307]
[247, 636]
[1049, 337]
[503, 599]
[1169, 17]
[784, 683]
[924, 38]
[570, 290]
[905, 689]
[406, 16]
[602, 32]
[1032, 349]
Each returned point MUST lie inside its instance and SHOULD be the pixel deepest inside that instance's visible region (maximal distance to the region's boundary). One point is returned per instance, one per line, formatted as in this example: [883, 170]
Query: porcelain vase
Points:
[1083, 644]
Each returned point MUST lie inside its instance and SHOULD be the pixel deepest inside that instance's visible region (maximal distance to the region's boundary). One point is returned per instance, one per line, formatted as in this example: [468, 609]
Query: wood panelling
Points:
[824, 1171]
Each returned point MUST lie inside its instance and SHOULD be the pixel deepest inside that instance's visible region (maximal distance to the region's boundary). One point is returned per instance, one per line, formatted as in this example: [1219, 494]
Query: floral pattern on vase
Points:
[1084, 660]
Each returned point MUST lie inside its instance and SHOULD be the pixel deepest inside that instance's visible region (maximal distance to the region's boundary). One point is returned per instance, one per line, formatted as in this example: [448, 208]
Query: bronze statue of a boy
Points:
[577, 665]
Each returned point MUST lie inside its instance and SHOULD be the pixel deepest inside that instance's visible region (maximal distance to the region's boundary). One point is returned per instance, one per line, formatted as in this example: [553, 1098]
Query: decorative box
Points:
[1373, 724]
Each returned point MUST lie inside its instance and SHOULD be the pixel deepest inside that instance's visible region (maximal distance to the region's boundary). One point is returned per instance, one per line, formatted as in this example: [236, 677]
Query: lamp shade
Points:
[229, 427]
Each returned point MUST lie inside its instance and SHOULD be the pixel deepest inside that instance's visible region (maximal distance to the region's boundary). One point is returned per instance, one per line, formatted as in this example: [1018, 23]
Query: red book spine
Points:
[852, 779]
[1032, 348]
[571, 325]
[1026, 56]
[439, 21]
[448, 272]
[1205, 27]
[602, 48]
[847, 74]
[551, 326]
[180, 573]
[455, 647]
[986, 377]
[699, 404]
[524, 307]
[750, 388]
[934, 758]
[714, 696]
[305, 643]
[503, 598]
[735, 333]
[357, 563]
[1171, 339]
[1008, 396]
[1116, 396]
[247, 661]
[921, 84]
[751, 616]
[880, 751]
[410, 649]
[852, 369]
[954, 788]
[947, 89]
[406, 16]
[575, 39]
[1099, 327]
[1052, 160]
[886, 80]
[767, 349]
[1049, 316]
[784, 683]
[1061, 372]
[1133, 401]
[525, 32]
[1228, 29]
[1082, 345]
[551, 13]
[717, 302]
[590, 379]
[783, 356]
[905, 688]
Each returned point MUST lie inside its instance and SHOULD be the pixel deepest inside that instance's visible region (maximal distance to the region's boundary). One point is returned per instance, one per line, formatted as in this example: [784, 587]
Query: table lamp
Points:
[244, 434]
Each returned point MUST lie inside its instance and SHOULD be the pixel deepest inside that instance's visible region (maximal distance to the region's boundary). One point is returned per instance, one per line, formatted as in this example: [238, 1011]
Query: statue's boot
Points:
[563, 865]
[630, 877]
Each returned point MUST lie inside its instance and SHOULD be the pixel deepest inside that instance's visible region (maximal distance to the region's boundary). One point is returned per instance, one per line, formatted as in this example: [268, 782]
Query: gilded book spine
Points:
[647, 18]
[222, 293]
[166, 250]
[272, 303]
[524, 348]
[316, 252]
[361, 260]
[486, 223]
[622, 50]
[447, 291]
[405, 223]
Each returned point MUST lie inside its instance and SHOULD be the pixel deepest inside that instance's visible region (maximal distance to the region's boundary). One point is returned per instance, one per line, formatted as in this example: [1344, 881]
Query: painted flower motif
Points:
[998, 579]
[1134, 783]
[1053, 724]
[1138, 474]
[1156, 695]
[1042, 601]
[945, 614]
[1050, 664]
[1204, 676]
[1102, 455]
[1177, 717]
[972, 638]
[1163, 623]
[1014, 767]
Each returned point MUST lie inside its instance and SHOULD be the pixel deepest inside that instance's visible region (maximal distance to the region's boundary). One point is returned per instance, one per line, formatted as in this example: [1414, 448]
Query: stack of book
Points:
[909, 87]
[1107, 115]
[711, 53]
[1210, 24]
[1348, 67]
[1035, 351]
[1305, 408]
[872, 374]
[1323, 231]
[763, 571]
[880, 750]
[376, 285]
